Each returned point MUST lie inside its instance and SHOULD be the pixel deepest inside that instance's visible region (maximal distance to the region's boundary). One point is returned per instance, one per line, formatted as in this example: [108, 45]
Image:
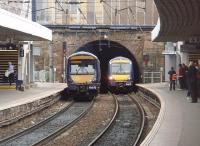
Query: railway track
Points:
[126, 126]
[50, 128]
[90, 126]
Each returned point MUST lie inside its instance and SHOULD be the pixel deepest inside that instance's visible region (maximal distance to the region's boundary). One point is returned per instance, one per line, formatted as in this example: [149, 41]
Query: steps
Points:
[5, 57]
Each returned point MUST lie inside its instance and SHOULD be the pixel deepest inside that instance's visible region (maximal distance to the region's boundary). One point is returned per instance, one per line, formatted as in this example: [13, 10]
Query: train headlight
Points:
[110, 77]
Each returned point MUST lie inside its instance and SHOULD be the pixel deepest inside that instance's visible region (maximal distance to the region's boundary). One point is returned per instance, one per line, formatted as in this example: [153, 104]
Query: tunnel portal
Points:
[106, 50]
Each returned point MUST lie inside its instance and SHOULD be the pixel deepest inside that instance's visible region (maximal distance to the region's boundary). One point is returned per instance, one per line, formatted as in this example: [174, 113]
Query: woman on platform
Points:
[11, 73]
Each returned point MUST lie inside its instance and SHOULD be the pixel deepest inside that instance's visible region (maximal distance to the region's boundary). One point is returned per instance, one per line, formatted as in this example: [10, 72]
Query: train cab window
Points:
[121, 68]
[82, 68]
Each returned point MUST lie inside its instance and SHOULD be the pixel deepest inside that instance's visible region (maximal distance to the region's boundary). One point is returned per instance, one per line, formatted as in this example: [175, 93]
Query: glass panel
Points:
[121, 68]
[82, 67]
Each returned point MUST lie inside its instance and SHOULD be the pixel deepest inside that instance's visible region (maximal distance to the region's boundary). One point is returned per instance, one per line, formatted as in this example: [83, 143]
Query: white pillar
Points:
[28, 72]
[31, 65]
[22, 64]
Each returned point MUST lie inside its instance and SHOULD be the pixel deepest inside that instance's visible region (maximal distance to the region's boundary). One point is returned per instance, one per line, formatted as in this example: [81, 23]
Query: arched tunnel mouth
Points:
[106, 50]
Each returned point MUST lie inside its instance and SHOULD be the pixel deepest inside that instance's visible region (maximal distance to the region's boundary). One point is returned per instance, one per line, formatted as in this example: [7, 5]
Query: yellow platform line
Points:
[8, 87]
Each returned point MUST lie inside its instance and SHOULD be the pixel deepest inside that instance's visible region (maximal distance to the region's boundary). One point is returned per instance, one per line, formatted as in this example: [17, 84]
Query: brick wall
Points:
[138, 43]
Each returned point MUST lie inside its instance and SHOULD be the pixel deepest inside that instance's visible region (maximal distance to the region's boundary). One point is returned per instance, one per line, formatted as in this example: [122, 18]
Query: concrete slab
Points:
[180, 124]
[12, 98]
[15, 105]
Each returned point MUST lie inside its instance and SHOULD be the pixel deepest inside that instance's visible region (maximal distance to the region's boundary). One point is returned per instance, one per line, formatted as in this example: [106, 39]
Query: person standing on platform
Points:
[172, 78]
[181, 75]
[192, 80]
[11, 73]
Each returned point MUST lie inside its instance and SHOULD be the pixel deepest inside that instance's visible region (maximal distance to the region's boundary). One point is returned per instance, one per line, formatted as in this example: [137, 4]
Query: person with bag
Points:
[172, 78]
[6, 74]
[9, 73]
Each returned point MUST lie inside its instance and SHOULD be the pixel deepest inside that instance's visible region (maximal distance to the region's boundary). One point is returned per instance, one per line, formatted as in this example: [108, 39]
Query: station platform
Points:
[178, 123]
[16, 104]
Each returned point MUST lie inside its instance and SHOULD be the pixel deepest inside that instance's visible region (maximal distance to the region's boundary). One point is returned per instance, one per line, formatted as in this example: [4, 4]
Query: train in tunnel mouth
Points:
[105, 50]
[83, 75]
[121, 74]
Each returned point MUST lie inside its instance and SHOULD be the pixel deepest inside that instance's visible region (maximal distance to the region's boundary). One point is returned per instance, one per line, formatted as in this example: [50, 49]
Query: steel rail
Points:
[141, 110]
[14, 136]
[109, 124]
[142, 119]
[53, 134]
[64, 128]
[154, 102]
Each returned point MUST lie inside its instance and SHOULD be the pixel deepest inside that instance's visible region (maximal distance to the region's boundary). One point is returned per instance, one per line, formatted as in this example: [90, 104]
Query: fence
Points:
[152, 77]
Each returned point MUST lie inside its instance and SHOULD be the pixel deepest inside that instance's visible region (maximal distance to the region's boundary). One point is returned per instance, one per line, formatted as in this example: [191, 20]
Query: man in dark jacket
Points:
[172, 78]
[192, 80]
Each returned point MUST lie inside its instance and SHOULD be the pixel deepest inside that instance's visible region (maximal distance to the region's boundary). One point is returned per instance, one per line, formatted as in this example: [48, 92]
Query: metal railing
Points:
[152, 77]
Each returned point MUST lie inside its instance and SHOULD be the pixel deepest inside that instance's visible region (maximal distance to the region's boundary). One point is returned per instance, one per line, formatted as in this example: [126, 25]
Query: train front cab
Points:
[83, 75]
[120, 74]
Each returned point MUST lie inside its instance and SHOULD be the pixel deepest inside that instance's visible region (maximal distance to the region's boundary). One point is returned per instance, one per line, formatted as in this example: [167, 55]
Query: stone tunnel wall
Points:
[148, 54]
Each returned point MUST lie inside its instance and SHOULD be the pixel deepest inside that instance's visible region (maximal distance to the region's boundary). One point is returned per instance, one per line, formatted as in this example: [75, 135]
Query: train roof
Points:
[120, 59]
[82, 53]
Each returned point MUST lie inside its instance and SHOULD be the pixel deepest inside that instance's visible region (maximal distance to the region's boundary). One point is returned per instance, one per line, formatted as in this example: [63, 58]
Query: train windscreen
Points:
[120, 68]
[82, 67]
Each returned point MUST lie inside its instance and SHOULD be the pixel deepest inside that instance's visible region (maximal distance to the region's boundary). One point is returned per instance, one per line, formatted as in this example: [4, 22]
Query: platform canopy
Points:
[179, 20]
[21, 29]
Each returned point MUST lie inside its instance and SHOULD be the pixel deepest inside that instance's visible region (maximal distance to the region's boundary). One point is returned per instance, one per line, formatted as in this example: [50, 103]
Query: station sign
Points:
[21, 52]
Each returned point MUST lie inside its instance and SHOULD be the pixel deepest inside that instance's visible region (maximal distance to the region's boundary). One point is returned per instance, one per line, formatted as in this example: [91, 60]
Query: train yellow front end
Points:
[120, 73]
[83, 75]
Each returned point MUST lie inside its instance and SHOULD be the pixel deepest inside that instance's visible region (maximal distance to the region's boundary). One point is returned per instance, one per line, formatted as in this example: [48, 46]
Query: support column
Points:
[31, 64]
[51, 67]
[22, 64]
[25, 65]
[28, 71]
